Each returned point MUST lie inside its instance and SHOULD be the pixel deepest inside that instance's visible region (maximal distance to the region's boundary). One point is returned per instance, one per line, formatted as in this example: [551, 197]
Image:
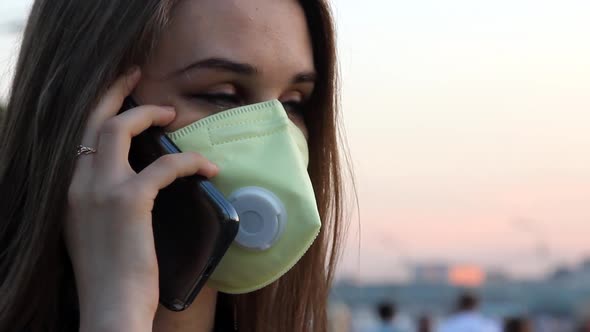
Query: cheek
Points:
[185, 115]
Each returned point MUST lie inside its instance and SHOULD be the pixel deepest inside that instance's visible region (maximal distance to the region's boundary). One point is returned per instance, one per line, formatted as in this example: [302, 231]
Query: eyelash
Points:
[223, 100]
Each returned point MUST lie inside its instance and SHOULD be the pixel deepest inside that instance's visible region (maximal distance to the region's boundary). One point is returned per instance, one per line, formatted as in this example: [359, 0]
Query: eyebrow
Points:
[220, 63]
[239, 68]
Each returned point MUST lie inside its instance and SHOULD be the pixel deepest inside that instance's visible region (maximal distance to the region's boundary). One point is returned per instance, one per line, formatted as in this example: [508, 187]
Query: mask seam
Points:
[192, 127]
[260, 108]
[235, 124]
[266, 134]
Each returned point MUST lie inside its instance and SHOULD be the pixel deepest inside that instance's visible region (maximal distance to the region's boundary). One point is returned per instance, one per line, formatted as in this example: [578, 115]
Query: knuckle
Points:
[169, 161]
[145, 109]
[149, 111]
[196, 155]
[113, 126]
[123, 196]
[196, 159]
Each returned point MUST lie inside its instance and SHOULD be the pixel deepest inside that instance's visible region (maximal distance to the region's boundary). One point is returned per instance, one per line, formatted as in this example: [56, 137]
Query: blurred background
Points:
[467, 123]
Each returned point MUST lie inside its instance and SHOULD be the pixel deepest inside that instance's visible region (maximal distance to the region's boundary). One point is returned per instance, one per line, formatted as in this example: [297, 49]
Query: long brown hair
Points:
[71, 52]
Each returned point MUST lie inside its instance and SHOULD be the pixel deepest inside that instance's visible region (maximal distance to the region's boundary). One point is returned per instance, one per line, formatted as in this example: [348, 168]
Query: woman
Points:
[75, 236]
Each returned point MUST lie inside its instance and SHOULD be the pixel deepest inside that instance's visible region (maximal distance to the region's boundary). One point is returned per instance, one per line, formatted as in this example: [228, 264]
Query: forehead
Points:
[265, 33]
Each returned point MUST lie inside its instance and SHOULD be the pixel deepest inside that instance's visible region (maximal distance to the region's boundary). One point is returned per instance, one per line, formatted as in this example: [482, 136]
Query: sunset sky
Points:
[467, 123]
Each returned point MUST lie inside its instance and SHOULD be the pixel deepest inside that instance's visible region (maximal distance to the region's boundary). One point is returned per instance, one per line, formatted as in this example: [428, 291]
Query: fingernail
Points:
[215, 167]
[133, 70]
[169, 109]
[132, 77]
[134, 73]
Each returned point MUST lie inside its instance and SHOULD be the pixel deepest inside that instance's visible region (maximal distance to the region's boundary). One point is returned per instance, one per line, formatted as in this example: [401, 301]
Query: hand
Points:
[108, 230]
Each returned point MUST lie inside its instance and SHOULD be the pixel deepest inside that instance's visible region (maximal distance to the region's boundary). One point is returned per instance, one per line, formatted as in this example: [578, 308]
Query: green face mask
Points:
[263, 160]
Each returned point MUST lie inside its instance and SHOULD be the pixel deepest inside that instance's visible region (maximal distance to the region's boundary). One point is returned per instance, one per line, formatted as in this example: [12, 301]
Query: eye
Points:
[295, 103]
[294, 107]
[220, 100]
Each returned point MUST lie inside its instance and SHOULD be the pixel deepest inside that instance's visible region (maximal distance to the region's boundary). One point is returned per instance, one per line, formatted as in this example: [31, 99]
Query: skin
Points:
[108, 230]
[268, 35]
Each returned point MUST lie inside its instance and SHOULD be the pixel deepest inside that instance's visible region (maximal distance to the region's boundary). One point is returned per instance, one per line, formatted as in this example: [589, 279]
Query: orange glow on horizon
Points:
[467, 276]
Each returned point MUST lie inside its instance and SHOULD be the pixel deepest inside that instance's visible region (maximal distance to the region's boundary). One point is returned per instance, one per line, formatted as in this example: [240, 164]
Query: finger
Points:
[115, 136]
[110, 104]
[168, 168]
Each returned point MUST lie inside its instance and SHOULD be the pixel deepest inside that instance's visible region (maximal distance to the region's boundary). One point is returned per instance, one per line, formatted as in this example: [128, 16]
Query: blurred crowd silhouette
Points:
[465, 316]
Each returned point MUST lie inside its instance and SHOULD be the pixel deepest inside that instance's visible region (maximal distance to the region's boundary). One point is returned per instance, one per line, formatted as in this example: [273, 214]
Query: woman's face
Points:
[220, 54]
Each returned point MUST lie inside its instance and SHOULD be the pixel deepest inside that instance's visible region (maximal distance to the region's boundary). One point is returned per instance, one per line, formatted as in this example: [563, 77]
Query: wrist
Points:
[116, 308]
[115, 320]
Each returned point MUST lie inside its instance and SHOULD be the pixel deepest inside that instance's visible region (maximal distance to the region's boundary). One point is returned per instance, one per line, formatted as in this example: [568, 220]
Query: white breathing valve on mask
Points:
[262, 217]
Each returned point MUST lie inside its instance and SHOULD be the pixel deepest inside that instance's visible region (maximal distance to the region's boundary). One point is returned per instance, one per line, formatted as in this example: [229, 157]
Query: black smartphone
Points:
[194, 224]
